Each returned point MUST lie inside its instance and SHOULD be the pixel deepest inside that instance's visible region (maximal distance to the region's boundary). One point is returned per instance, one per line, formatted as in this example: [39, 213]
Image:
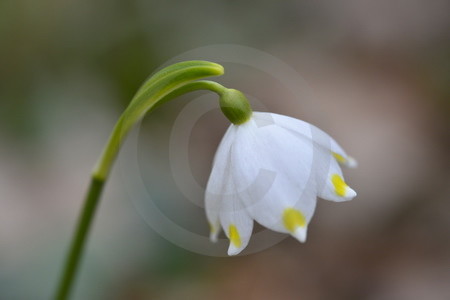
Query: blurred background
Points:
[379, 72]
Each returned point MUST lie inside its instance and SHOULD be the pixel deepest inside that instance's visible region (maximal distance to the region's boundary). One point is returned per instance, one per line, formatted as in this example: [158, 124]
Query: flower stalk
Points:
[170, 82]
[79, 239]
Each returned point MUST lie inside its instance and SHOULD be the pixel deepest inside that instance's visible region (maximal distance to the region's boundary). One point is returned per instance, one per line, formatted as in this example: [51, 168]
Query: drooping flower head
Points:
[270, 169]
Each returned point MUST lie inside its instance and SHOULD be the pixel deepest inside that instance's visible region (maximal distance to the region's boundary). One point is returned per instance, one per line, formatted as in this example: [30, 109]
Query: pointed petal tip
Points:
[233, 250]
[350, 193]
[300, 234]
[351, 162]
[213, 236]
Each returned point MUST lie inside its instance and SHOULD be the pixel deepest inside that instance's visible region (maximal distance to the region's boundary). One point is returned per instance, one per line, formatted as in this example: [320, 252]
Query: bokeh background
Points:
[379, 72]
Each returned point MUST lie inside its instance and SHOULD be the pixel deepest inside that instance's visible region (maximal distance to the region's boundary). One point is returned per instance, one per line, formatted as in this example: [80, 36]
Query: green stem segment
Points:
[79, 239]
[165, 85]
[160, 88]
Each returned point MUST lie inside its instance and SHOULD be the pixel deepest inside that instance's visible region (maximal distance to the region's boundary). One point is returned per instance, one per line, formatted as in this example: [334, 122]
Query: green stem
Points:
[79, 238]
[167, 84]
[100, 175]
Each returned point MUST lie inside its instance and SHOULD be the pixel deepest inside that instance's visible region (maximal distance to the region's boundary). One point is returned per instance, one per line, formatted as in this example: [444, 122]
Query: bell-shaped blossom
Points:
[271, 169]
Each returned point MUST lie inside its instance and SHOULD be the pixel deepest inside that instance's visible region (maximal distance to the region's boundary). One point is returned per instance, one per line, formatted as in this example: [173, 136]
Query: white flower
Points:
[271, 169]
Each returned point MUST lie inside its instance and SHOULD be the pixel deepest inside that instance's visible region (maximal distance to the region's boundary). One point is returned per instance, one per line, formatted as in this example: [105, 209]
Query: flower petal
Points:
[273, 173]
[297, 217]
[236, 224]
[312, 132]
[284, 208]
[330, 181]
[219, 183]
[272, 148]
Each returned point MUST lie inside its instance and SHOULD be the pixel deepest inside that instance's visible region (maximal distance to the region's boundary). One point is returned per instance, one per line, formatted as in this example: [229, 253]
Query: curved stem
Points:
[104, 164]
[79, 239]
[170, 82]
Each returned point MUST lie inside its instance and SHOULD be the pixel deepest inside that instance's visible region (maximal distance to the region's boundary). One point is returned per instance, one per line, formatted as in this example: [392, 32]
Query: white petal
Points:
[330, 181]
[272, 169]
[219, 182]
[273, 149]
[272, 210]
[306, 205]
[327, 152]
[236, 224]
[310, 131]
[300, 233]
